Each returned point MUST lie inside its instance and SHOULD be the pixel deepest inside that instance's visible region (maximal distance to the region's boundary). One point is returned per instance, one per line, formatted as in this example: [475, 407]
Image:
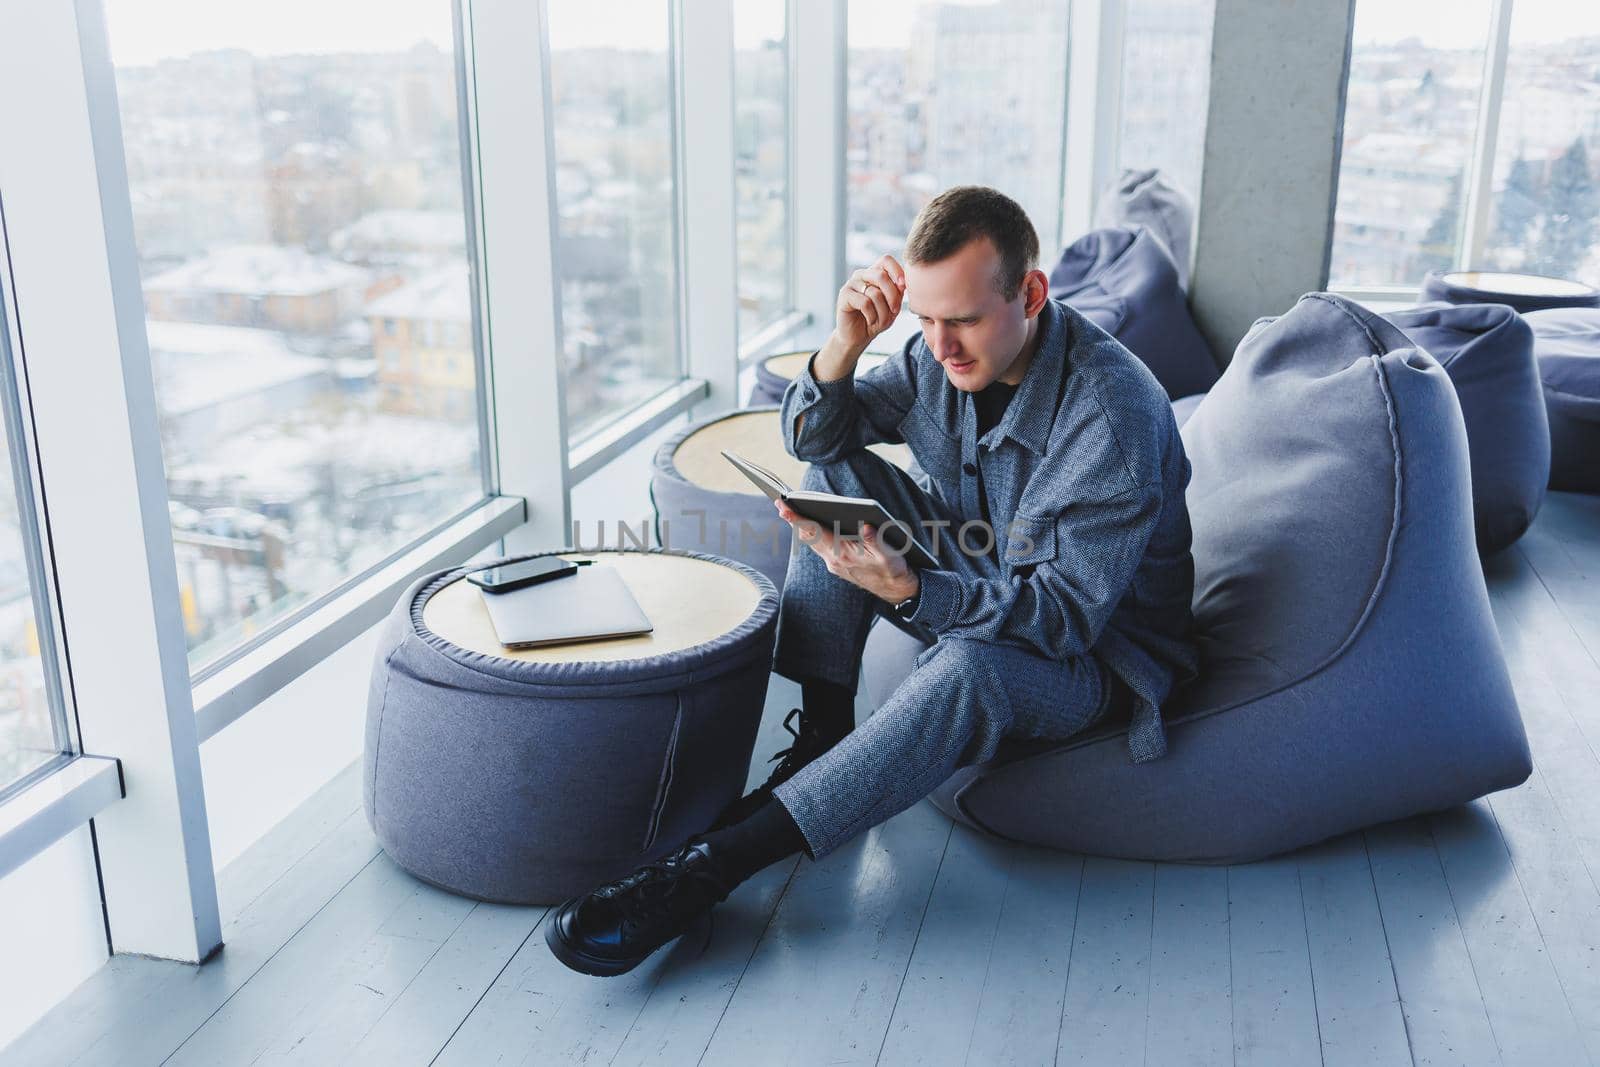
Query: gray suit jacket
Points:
[1084, 476]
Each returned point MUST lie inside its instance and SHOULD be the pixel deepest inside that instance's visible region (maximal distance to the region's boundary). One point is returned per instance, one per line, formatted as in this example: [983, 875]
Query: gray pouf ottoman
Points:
[1332, 513]
[774, 374]
[1567, 345]
[1487, 350]
[1124, 281]
[1144, 197]
[1521, 292]
[526, 776]
[703, 504]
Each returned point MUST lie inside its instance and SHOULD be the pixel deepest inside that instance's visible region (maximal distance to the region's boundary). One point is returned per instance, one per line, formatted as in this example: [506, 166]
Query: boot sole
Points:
[578, 960]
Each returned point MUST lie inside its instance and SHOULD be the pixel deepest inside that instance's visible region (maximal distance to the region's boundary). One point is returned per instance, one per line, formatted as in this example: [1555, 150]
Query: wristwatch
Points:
[908, 607]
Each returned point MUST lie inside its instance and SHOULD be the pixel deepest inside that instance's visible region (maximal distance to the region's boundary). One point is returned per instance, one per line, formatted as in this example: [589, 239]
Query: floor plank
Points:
[1526, 1005]
[430, 1008]
[1019, 1015]
[1274, 1004]
[137, 1010]
[986, 981]
[1439, 993]
[822, 985]
[1358, 1009]
[1191, 1010]
[1108, 977]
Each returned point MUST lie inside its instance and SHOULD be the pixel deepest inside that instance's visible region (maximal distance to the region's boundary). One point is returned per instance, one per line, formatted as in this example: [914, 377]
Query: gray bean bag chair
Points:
[1144, 197]
[1567, 344]
[526, 782]
[1487, 350]
[1332, 513]
[1123, 280]
[1183, 407]
[1523, 292]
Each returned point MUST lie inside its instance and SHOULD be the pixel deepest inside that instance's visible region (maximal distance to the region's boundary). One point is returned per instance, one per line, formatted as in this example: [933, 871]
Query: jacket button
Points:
[967, 468]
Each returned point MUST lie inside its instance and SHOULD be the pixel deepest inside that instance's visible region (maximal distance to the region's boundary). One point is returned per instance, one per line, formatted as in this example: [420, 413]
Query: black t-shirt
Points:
[989, 403]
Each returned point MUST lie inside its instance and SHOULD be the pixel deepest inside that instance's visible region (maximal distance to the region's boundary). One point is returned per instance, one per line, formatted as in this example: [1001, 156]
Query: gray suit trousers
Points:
[963, 697]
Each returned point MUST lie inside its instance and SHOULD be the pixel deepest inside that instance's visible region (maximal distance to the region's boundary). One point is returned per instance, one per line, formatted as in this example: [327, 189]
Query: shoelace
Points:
[647, 894]
[802, 733]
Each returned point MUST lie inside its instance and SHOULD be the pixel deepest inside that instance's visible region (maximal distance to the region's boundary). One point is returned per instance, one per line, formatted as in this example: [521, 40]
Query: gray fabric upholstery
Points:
[1183, 407]
[1144, 197]
[1487, 350]
[1567, 344]
[528, 782]
[1352, 671]
[692, 517]
[1459, 287]
[1123, 280]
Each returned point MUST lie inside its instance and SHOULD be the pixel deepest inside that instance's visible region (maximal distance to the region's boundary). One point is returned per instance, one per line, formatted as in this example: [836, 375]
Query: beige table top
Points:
[689, 601]
[758, 437]
[789, 364]
[1506, 282]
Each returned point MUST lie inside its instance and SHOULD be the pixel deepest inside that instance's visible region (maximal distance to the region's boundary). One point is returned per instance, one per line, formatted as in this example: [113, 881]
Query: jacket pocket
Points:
[1029, 540]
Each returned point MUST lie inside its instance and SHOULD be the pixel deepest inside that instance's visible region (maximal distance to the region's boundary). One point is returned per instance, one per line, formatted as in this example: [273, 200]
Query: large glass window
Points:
[1411, 110]
[944, 94]
[32, 727]
[761, 159]
[1166, 76]
[296, 176]
[1545, 192]
[611, 78]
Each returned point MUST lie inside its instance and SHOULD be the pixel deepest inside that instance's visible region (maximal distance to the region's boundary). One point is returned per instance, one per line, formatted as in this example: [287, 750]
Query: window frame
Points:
[32, 518]
[1478, 187]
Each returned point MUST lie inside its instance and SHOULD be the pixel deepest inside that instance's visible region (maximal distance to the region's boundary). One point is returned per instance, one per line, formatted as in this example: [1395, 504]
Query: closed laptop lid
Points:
[592, 604]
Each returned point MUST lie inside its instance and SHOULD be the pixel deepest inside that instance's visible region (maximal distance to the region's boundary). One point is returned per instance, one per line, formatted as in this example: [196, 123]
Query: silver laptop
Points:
[589, 606]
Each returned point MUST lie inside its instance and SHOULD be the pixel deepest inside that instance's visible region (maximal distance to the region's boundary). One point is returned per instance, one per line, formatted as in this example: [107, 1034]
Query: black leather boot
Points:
[613, 929]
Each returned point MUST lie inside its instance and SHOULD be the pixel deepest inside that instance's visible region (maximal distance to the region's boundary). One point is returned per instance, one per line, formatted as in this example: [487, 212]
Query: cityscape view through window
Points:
[1411, 124]
[296, 179]
[761, 159]
[616, 197]
[1545, 214]
[1166, 76]
[943, 94]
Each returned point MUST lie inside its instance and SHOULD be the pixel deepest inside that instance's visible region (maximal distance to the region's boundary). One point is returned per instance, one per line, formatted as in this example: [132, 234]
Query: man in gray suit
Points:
[1055, 510]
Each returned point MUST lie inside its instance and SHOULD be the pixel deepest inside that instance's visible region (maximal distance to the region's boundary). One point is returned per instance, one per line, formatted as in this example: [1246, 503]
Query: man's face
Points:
[973, 331]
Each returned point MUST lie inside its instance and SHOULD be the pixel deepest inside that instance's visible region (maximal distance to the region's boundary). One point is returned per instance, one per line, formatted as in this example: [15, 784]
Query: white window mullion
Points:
[81, 314]
[514, 162]
[709, 286]
[1480, 177]
[818, 147]
[1094, 103]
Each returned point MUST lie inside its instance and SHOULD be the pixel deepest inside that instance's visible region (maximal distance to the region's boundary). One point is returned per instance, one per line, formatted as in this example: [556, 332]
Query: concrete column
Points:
[1273, 132]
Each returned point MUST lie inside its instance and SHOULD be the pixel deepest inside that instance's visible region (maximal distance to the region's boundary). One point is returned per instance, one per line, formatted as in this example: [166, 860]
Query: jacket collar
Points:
[1032, 410]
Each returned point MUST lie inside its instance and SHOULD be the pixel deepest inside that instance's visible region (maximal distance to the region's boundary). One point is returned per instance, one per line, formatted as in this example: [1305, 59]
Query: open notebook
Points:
[593, 604]
[845, 514]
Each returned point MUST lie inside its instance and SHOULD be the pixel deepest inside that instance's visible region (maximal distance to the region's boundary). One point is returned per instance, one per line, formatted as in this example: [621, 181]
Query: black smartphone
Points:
[511, 576]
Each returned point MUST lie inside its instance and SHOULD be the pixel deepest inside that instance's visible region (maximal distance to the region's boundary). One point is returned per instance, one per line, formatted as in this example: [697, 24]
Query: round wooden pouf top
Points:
[689, 601]
[774, 373]
[758, 437]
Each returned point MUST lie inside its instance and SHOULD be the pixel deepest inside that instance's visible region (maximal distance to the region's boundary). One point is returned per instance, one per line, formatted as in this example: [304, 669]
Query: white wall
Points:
[52, 935]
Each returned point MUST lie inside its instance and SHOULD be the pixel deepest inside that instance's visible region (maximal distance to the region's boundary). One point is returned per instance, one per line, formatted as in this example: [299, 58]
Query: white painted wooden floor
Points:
[1465, 937]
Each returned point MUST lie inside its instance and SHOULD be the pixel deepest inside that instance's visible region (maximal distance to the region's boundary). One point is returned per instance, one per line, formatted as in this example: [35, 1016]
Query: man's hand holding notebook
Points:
[843, 514]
